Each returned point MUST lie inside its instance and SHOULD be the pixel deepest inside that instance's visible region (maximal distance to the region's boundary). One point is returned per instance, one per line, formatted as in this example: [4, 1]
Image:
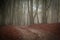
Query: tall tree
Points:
[31, 12]
[37, 5]
[44, 9]
[28, 18]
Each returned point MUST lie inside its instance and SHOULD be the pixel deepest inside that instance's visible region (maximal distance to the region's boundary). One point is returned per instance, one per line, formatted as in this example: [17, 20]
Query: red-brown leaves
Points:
[31, 32]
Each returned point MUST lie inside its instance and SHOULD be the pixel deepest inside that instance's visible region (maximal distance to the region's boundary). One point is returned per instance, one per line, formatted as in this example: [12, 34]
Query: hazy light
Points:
[39, 8]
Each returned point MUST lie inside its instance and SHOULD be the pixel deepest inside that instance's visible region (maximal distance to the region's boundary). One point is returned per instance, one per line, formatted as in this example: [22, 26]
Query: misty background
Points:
[26, 12]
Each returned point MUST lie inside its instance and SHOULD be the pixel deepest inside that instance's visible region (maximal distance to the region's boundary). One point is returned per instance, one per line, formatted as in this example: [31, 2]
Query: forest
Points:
[26, 12]
[29, 19]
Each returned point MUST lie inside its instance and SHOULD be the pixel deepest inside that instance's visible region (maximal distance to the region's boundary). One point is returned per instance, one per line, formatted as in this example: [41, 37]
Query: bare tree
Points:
[31, 12]
[37, 5]
[44, 9]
